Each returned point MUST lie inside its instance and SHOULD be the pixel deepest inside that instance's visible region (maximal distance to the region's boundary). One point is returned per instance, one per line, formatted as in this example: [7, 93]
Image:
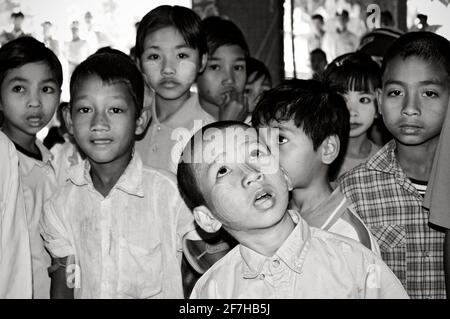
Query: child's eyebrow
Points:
[425, 82]
[21, 79]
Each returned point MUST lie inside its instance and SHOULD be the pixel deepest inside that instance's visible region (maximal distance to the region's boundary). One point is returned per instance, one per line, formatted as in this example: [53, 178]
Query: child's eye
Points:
[214, 67]
[48, 89]
[365, 100]
[116, 110]
[83, 110]
[282, 140]
[239, 67]
[222, 171]
[18, 89]
[430, 94]
[394, 93]
[183, 56]
[153, 57]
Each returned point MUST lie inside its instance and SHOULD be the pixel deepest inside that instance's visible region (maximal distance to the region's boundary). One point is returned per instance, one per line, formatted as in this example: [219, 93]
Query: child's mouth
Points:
[263, 200]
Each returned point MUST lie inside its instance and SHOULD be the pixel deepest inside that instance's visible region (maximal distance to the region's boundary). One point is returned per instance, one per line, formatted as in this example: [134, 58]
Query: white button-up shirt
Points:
[311, 263]
[127, 244]
[15, 255]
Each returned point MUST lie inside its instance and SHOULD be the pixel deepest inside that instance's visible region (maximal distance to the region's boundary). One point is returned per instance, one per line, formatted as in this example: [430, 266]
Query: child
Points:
[232, 181]
[221, 84]
[15, 261]
[358, 76]
[171, 48]
[31, 79]
[258, 81]
[115, 227]
[387, 191]
[308, 123]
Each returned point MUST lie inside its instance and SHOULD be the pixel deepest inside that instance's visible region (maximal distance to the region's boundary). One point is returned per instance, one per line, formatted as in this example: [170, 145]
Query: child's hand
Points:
[233, 107]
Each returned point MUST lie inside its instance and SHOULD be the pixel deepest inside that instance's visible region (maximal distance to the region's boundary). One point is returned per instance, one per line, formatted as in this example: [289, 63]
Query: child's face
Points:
[103, 120]
[170, 66]
[296, 152]
[225, 72]
[241, 195]
[253, 90]
[362, 108]
[318, 63]
[28, 98]
[414, 100]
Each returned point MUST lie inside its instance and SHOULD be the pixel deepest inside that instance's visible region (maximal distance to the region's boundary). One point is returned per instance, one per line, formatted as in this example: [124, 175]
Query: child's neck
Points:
[166, 108]
[358, 147]
[269, 240]
[307, 200]
[105, 176]
[212, 109]
[417, 161]
[26, 141]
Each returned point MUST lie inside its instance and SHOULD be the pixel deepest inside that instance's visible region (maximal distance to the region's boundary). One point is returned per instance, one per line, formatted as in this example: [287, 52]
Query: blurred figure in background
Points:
[318, 60]
[48, 39]
[17, 19]
[258, 81]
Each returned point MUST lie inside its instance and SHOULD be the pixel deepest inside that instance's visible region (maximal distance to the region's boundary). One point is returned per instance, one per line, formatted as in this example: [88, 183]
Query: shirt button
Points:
[262, 276]
[426, 254]
[158, 128]
[276, 263]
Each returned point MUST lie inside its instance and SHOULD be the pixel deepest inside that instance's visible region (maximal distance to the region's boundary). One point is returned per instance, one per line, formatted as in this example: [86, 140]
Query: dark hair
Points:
[16, 15]
[24, 50]
[186, 177]
[428, 46]
[354, 71]
[186, 21]
[255, 66]
[221, 32]
[111, 66]
[317, 17]
[319, 52]
[315, 107]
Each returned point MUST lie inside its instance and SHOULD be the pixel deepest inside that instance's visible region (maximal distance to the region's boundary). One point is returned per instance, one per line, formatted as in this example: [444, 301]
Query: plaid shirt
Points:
[391, 207]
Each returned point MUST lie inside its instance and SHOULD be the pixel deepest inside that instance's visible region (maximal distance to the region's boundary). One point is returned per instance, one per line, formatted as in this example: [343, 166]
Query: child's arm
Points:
[447, 261]
[59, 285]
[233, 108]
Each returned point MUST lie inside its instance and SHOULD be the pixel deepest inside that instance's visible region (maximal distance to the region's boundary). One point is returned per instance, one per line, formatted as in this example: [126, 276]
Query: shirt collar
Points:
[47, 158]
[178, 119]
[384, 160]
[292, 252]
[130, 182]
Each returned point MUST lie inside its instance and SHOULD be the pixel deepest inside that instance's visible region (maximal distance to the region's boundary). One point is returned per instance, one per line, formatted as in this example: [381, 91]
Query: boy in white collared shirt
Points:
[31, 79]
[236, 183]
[15, 255]
[114, 228]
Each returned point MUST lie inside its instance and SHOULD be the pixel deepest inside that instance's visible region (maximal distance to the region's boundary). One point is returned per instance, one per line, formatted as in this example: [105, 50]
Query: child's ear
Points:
[203, 61]
[67, 118]
[142, 121]
[206, 220]
[379, 94]
[330, 149]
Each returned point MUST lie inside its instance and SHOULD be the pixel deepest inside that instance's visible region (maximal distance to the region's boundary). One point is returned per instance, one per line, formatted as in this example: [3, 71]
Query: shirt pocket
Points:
[140, 270]
[392, 242]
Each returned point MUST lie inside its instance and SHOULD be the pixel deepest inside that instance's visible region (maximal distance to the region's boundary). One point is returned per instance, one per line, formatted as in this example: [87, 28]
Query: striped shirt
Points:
[391, 207]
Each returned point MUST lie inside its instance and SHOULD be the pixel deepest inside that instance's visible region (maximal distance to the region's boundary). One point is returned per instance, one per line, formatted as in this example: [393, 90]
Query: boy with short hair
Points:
[308, 123]
[31, 78]
[115, 227]
[229, 178]
[387, 191]
[171, 49]
[221, 84]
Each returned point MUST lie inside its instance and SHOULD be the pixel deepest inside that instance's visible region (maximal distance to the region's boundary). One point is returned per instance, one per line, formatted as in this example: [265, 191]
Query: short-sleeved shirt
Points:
[15, 255]
[311, 263]
[39, 183]
[335, 215]
[164, 142]
[390, 205]
[127, 244]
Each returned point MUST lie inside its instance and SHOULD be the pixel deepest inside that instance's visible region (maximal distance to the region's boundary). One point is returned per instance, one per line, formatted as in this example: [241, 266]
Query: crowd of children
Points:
[189, 150]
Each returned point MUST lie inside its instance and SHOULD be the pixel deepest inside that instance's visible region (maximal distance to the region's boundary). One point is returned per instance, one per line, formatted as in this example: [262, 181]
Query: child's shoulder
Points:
[151, 174]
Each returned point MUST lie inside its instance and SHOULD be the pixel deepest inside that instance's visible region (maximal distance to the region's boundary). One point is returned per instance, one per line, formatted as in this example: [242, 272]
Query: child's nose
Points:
[99, 122]
[251, 177]
[411, 106]
[168, 67]
[228, 78]
[34, 100]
